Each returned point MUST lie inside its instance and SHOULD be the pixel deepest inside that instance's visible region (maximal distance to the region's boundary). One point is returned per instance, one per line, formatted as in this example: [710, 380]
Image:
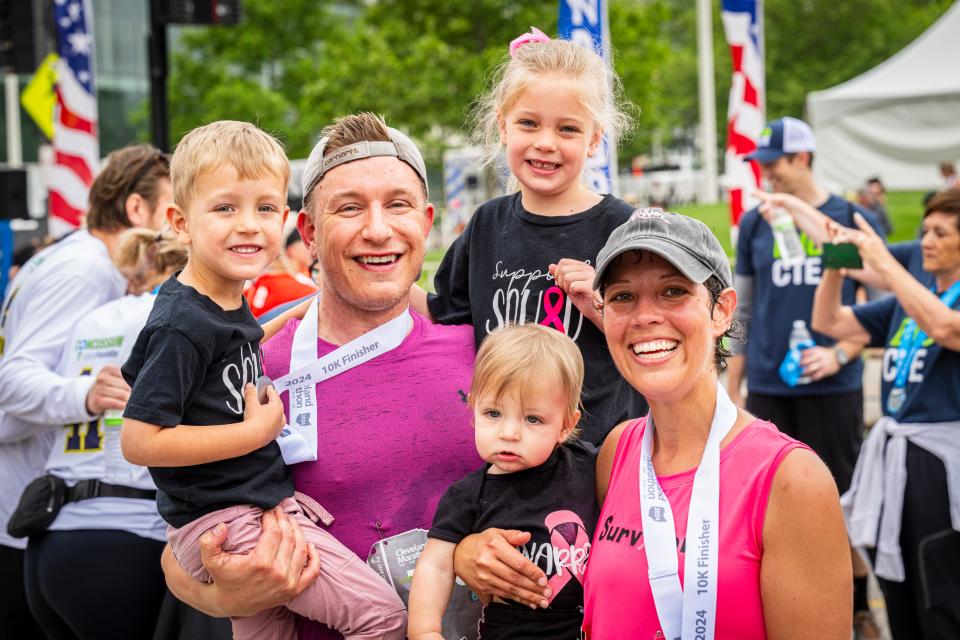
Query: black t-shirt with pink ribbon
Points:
[497, 273]
[556, 502]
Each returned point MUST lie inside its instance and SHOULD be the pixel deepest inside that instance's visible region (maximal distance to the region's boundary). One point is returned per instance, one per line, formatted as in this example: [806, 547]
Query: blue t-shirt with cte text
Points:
[782, 294]
[934, 378]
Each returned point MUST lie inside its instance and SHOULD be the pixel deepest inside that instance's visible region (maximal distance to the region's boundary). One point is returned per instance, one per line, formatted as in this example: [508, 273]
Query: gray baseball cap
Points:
[684, 242]
[400, 146]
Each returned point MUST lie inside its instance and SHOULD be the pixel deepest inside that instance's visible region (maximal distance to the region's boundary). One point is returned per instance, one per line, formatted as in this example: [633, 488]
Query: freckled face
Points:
[659, 327]
[367, 226]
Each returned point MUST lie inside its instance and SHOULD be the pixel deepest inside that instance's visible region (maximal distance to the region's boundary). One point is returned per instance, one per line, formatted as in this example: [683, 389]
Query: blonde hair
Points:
[145, 256]
[521, 357]
[598, 88]
[245, 147]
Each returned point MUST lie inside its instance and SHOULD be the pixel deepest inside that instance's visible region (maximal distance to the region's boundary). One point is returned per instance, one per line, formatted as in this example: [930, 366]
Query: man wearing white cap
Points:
[825, 410]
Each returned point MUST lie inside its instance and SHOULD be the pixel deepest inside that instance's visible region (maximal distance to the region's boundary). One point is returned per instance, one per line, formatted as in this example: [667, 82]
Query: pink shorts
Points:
[348, 595]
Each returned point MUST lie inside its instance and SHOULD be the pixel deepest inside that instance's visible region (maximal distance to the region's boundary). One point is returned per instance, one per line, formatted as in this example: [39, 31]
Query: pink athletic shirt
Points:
[394, 433]
[618, 602]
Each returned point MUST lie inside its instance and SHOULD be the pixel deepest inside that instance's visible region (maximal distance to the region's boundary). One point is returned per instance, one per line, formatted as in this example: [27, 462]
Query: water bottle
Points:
[787, 237]
[790, 370]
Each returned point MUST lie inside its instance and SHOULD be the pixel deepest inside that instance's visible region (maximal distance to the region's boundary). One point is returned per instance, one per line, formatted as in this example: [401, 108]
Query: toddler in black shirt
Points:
[538, 478]
[193, 416]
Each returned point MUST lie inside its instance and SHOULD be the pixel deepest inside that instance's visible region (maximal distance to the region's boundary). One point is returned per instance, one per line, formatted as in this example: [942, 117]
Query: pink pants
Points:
[348, 595]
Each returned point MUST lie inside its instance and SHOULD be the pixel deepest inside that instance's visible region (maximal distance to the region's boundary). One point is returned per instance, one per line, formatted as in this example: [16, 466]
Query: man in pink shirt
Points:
[393, 432]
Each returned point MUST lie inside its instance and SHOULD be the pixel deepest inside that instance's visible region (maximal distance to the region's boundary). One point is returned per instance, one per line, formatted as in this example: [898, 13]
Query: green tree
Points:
[420, 63]
[293, 65]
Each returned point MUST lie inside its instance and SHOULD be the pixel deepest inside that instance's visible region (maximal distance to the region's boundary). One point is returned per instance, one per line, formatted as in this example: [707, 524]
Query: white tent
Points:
[898, 120]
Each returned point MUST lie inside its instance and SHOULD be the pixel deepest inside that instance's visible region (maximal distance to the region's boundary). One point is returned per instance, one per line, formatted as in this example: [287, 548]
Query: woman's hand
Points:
[279, 568]
[873, 250]
[491, 565]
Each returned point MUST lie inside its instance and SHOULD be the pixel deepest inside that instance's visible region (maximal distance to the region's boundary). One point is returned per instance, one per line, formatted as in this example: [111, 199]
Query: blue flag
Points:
[585, 22]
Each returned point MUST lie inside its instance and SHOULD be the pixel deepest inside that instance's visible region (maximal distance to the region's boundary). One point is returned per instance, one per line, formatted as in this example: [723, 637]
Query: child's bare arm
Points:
[148, 445]
[432, 582]
[418, 301]
[272, 326]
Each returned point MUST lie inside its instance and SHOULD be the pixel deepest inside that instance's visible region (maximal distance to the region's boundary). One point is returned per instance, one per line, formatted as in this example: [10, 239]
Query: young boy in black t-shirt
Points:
[538, 478]
[193, 416]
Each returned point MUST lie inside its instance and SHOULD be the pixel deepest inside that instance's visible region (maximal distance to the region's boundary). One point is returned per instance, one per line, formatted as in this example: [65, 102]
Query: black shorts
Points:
[515, 622]
[927, 603]
[831, 425]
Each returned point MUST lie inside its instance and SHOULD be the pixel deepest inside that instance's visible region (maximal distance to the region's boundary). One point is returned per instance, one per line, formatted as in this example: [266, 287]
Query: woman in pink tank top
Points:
[764, 552]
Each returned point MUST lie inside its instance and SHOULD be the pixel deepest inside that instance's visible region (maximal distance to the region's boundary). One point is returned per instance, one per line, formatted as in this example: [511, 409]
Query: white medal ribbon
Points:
[298, 439]
[690, 613]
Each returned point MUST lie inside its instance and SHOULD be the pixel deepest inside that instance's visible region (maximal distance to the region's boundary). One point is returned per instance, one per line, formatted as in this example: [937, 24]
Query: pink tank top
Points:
[618, 602]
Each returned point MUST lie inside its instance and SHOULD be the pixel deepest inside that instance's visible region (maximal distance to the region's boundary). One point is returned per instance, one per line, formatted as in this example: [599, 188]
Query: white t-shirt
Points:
[88, 450]
[57, 287]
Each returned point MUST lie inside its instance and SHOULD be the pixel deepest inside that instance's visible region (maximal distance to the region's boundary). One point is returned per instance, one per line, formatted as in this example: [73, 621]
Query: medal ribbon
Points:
[298, 439]
[688, 613]
[911, 341]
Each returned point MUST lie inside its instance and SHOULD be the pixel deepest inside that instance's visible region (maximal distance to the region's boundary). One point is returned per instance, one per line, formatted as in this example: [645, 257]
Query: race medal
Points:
[263, 382]
[895, 399]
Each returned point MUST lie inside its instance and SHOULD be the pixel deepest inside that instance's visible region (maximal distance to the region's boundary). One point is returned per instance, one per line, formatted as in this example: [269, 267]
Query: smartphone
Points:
[841, 256]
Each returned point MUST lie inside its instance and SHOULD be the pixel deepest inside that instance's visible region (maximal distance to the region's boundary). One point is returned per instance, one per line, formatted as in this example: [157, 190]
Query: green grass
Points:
[905, 209]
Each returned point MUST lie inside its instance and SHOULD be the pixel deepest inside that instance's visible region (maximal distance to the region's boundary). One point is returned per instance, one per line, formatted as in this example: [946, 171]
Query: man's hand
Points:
[109, 391]
[279, 568]
[491, 565]
[819, 362]
[576, 280]
[267, 418]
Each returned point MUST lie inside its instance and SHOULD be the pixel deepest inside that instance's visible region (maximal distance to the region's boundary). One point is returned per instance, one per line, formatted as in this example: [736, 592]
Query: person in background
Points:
[298, 256]
[780, 295]
[67, 280]
[873, 196]
[949, 173]
[285, 280]
[105, 543]
[20, 258]
[903, 504]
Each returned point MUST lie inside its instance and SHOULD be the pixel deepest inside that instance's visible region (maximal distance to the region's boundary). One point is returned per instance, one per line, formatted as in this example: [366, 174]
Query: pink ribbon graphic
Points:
[567, 534]
[553, 307]
[535, 35]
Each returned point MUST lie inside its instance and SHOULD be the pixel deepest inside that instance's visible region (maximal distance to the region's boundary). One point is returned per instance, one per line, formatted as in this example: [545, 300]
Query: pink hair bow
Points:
[535, 35]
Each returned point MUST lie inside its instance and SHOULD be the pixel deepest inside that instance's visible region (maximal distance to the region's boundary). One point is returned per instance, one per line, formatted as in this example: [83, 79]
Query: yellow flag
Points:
[39, 96]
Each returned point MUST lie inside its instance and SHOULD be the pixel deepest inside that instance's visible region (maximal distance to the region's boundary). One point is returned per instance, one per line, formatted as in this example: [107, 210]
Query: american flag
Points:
[742, 24]
[75, 145]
